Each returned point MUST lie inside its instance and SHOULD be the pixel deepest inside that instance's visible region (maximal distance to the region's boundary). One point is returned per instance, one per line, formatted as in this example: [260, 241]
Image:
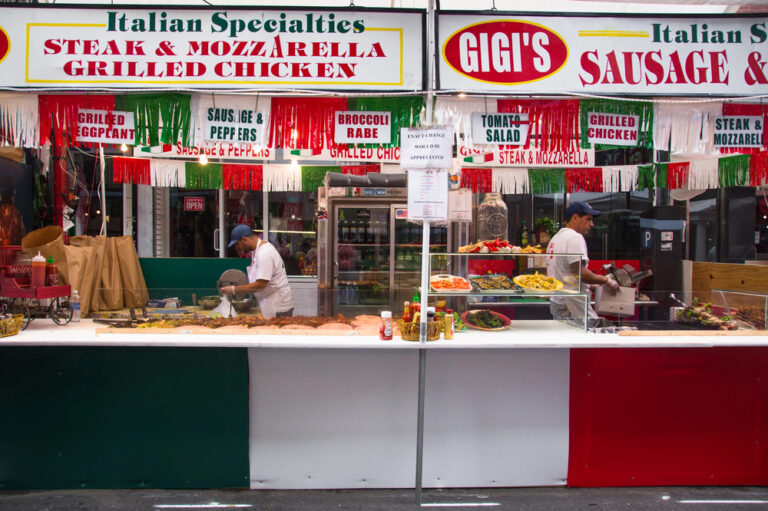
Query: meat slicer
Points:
[626, 275]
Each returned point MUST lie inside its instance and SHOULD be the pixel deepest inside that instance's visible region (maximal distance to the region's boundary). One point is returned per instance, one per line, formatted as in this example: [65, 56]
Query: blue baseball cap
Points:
[580, 208]
[239, 232]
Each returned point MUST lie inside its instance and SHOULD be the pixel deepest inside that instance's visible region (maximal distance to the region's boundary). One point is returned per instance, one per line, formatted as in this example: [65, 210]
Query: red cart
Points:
[18, 296]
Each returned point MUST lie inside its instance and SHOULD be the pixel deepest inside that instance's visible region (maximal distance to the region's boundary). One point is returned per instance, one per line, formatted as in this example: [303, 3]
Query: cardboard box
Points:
[620, 303]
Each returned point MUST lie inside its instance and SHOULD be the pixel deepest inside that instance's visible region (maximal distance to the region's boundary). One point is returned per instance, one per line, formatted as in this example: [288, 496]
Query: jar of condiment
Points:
[492, 218]
[385, 331]
[448, 325]
[51, 273]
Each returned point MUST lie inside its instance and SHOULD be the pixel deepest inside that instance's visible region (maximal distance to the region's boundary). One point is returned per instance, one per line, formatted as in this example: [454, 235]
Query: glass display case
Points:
[503, 283]
[749, 309]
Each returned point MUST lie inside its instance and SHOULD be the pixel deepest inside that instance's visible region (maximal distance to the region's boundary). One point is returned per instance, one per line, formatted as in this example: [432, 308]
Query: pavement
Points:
[518, 499]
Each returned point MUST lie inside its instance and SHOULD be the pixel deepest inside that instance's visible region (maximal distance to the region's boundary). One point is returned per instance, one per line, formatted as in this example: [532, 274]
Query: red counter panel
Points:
[661, 417]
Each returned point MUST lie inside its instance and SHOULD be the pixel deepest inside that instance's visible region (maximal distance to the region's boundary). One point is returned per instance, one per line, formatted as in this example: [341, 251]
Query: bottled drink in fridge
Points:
[74, 302]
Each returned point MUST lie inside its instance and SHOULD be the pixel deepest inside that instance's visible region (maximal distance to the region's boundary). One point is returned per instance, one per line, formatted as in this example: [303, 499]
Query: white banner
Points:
[372, 154]
[119, 46]
[493, 128]
[427, 194]
[222, 150]
[223, 124]
[529, 158]
[105, 127]
[725, 55]
[426, 147]
[363, 127]
[613, 129]
[739, 131]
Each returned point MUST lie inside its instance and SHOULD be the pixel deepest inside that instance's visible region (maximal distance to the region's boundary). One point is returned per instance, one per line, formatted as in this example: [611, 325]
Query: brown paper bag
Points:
[92, 271]
[49, 241]
[111, 283]
[135, 292]
[78, 263]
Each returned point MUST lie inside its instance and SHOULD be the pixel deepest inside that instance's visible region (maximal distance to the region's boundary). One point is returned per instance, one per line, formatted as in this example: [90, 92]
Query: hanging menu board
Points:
[427, 194]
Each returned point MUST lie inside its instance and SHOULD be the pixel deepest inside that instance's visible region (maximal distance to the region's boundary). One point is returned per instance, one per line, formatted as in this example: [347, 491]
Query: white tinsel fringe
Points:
[200, 103]
[168, 173]
[19, 117]
[457, 113]
[703, 174]
[685, 128]
[621, 178]
[282, 178]
[510, 181]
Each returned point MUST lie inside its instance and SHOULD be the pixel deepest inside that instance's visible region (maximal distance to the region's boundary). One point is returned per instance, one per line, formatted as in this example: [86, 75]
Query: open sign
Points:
[194, 203]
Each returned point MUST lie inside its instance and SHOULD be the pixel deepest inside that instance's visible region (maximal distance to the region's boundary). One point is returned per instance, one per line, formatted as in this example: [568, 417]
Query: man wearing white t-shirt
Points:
[569, 269]
[267, 279]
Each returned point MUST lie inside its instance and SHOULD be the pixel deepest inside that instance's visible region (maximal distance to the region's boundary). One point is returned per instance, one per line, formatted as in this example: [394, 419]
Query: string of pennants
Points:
[708, 173]
[228, 176]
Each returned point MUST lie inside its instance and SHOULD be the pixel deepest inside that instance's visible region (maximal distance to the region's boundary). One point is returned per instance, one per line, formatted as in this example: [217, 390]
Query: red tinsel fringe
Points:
[554, 123]
[677, 174]
[758, 169]
[478, 179]
[584, 179]
[241, 177]
[360, 170]
[131, 170]
[303, 123]
[58, 112]
[746, 109]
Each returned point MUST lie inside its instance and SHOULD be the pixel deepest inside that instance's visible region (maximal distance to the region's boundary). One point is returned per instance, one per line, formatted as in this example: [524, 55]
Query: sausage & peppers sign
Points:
[549, 54]
[215, 48]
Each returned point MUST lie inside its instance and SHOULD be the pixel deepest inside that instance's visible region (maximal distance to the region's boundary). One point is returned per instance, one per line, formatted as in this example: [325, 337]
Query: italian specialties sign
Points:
[216, 48]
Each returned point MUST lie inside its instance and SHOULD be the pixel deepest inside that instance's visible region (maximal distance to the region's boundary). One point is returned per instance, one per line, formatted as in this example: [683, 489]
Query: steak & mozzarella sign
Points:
[548, 54]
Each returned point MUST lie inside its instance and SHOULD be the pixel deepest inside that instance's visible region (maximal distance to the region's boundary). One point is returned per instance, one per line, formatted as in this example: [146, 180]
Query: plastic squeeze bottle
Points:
[74, 302]
[38, 270]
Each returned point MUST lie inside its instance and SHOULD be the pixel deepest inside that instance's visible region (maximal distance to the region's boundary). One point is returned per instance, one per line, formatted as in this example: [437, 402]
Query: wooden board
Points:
[731, 277]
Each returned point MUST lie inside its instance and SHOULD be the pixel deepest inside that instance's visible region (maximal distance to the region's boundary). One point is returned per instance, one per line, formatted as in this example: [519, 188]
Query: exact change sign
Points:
[426, 148]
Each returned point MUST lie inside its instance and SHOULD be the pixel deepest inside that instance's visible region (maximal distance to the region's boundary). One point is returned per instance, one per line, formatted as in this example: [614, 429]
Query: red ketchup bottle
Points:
[385, 331]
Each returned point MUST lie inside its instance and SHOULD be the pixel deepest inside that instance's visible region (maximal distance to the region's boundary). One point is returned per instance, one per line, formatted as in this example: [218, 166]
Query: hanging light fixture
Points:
[203, 159]
[123, 147]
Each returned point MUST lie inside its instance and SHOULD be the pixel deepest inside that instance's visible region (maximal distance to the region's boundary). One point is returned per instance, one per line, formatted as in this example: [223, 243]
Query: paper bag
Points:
[135, 292]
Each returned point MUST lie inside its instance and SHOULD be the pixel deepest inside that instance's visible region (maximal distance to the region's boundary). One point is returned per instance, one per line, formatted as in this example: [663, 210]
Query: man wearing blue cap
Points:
[579, 219]
[267, 279]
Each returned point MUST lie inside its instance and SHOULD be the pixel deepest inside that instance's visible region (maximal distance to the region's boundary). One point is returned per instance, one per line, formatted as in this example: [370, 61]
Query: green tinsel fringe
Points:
[733, 170]
[203, 177]
[405, 113]
[646, 177]
[661, 175]
[312, 177]
[542, 181]
[160, 118]
[607, 106]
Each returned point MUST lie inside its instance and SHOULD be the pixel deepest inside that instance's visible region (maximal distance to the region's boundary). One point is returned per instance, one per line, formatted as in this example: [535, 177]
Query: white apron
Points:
[267, 298]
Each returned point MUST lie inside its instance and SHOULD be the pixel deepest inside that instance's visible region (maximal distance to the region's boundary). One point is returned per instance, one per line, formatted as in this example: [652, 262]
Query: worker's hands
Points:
[611, 284]
[228, 290]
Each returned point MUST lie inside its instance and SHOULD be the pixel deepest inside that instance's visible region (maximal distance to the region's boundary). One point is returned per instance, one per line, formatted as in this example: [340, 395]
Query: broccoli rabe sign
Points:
[234, 125]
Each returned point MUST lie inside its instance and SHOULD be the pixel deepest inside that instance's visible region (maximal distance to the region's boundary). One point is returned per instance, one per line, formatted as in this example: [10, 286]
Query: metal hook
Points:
[494, 5]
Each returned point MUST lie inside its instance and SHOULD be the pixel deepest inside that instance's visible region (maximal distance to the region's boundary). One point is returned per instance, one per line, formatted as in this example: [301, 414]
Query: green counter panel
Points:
[181, 276]
[74, 417]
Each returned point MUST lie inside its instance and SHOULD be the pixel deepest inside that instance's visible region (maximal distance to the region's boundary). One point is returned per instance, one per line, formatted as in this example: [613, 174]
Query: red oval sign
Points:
[5, 44]
[505, 52]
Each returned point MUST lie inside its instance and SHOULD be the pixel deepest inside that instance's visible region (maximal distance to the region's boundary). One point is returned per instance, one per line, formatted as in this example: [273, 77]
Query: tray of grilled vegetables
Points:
[494, 283]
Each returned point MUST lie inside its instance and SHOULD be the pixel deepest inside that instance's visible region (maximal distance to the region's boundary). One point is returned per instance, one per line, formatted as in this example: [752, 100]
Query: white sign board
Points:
[460, 205]
[739, 131]
[671, 55]
[234, 125]
[218, 48]
[426, 148]
[494, 128]
[105, 127]
[427, 194]
[363, 127]
[612, 129]
[530, 158]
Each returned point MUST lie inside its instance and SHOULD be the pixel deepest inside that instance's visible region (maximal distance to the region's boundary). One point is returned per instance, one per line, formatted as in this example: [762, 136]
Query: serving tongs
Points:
[123, 322]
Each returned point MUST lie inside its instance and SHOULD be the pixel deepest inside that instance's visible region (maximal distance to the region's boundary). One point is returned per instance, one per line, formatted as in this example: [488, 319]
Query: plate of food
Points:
[494, 283]
[449, 284]
[482, 319]
[538, 283]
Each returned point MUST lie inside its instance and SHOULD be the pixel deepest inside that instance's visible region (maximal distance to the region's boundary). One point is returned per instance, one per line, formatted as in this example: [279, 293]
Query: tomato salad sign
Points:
[215, 48]
[628, 55]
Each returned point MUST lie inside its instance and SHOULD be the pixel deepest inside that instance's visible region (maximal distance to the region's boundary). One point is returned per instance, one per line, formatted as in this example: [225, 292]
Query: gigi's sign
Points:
[505, 51]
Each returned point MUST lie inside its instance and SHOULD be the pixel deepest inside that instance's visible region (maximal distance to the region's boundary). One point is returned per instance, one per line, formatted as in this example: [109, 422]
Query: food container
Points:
[410, 331]
[243, 305]
[209, 302]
